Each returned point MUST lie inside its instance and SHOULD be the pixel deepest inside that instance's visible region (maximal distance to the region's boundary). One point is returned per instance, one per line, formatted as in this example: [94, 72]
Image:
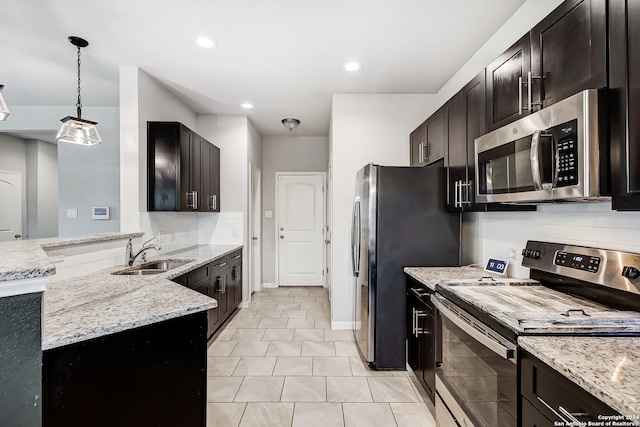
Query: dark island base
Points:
[149, 376]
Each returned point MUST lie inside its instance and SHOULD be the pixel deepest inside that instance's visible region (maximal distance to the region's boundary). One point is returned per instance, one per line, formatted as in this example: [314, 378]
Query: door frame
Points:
[277, 217]
[255, 229]
[23, 207]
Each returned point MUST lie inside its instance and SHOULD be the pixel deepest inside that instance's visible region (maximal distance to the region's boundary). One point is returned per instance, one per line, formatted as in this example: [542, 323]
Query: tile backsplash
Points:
[584, 224]
[224, 228]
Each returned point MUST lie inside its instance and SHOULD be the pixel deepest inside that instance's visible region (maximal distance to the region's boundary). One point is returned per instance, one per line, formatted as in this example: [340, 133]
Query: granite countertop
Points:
[431, 276]
[606, 367]
[26, 259]
[101, 303]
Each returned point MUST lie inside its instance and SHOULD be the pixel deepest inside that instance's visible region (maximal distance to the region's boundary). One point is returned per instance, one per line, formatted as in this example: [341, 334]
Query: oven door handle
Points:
[498, 348]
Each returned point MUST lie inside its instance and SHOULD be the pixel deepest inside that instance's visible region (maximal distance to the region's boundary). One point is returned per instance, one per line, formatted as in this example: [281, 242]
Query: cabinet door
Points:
[624, 60]
[196, 171]
[568, 51]
[413, 342]
[456, 150]
[435, 137]
[505, 96]
[214, 183]
[186, 188]
[474, 101]
[205, 201]
[163, 165]
[426, 332]
[236, 277]
[417, 145]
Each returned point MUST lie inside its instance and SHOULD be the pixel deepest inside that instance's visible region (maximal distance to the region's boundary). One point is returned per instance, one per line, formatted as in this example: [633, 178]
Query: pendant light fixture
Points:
[77, 130]
[4, 110]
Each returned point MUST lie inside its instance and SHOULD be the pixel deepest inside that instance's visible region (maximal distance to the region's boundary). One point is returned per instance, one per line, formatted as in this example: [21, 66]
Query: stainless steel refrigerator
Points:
[399, 220]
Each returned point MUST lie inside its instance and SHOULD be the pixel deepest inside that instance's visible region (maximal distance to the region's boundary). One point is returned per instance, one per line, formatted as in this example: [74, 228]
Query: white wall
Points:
[364, 129]
[42, 189]
[285, 154]
[142, 99]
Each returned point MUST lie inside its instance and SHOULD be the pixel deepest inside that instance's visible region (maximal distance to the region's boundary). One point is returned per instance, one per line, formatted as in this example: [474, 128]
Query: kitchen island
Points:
[128, 350]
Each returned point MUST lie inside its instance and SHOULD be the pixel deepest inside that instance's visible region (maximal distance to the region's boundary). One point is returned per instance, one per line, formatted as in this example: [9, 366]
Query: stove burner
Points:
[575, 310]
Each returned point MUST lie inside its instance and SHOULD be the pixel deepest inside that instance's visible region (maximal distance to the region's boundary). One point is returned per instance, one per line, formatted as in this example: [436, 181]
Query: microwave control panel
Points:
[577, 261]
[567, 146]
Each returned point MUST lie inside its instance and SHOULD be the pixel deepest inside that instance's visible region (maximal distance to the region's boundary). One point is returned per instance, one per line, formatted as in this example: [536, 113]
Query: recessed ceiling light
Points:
[352, 66]
[205, 42]
[247, 105]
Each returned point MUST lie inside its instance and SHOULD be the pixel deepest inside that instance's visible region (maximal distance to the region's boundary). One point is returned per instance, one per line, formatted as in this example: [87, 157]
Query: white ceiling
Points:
[284, 56]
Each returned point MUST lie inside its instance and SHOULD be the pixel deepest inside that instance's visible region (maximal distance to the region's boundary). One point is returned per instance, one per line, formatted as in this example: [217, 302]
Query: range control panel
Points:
[577, 261]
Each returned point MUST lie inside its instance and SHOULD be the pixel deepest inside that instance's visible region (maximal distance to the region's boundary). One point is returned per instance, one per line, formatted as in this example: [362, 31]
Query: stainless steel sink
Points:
[153, 267]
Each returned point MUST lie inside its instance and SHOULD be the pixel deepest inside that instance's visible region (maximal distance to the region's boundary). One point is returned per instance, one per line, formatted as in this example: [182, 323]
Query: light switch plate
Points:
[268, 214]
[72, 213]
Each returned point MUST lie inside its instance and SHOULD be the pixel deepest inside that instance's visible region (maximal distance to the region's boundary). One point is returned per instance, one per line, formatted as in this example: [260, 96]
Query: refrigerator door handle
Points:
[356, 208]
[358, 241]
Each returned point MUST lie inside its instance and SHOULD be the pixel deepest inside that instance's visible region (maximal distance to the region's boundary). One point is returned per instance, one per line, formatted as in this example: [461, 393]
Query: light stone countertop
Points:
[432, 276]
[27, 259]
[606, 367]
[100, 303]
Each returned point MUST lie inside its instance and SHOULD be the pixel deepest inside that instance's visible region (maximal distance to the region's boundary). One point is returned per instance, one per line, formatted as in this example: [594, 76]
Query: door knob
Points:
[281, 236]
[17, 236]
[281, 228]
[254, 238]
[327, 241]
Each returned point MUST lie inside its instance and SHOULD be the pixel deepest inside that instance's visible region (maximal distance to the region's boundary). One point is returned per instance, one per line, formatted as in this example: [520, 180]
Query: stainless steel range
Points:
[581, 291]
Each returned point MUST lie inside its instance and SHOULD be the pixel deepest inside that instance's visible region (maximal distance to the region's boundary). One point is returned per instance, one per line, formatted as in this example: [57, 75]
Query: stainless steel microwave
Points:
[556, 154]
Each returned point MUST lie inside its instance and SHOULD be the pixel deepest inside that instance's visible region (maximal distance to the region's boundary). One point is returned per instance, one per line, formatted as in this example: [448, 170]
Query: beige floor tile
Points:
[221, 348]
[248, 334]
[288, 305]
[280, 291]
[293, 366]
[261, 296]
[308, 334]
[225, 334]
[284, 348]
[294, 314]
[306, 299]
[300, 324]
[331, 335]
[299, 292]
[278, 334]
[244, 323]
[281, 299]
[260, 389]
[320, 314]
[273, 323]
[348, 389]
[331, 366]
[246, 313]
[318, 415]
[224, 414]
[312, 306]
[318, 348]
[304, 389]
[250, 348]
[268, 314]
[267, 415]
[218, 366]
[392, 389]
[322, 324]
[255, 366]
[265, 306]
[412, 415]
[222, 389]
[344, 348]
[360, 369]
[367, 415]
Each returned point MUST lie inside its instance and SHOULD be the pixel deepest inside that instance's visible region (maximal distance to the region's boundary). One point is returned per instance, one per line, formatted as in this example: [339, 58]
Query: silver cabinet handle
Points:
[564, 420]
[529, 91]
[215, 201]
[222, 264]
[194, 199]
[224, 284]
[238, 256]
[455, 194]
[520, 95]
[421, 152]
[572, 415]
[426, 159]
[419, 294]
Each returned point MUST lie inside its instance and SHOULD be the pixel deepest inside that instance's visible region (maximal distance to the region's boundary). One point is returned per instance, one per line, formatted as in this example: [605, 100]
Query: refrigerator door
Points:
[365, 222]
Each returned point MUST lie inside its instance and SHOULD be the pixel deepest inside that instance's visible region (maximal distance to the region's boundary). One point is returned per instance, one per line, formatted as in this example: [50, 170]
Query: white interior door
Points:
[10, 205]
[299, 229]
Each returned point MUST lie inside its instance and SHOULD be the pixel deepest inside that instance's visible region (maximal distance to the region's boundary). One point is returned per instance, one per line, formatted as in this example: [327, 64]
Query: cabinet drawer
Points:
[553, 394]
[531, 417]
[219, 264]
[198, 275]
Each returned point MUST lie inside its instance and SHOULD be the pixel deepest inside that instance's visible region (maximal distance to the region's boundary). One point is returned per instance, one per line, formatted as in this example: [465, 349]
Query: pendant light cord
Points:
[79, 103]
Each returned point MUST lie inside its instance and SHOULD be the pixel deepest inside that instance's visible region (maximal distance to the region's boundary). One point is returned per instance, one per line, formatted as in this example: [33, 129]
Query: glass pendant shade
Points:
[78, 131]
[4, 110]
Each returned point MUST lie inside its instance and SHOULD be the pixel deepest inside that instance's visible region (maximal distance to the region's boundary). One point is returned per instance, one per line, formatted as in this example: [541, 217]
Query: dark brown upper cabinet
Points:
[569, 51]
[183, 170]
[427, 141]
[505, 85]
[624, 97]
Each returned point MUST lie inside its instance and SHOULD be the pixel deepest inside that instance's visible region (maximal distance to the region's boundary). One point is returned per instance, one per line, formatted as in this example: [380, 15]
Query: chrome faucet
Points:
[131, 257]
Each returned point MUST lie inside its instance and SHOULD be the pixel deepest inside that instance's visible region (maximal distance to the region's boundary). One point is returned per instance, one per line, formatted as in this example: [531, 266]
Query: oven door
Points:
[477, 381]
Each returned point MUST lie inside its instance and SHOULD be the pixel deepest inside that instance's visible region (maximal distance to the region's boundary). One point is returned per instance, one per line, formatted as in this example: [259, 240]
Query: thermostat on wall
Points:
[101, 212]
[498, 266]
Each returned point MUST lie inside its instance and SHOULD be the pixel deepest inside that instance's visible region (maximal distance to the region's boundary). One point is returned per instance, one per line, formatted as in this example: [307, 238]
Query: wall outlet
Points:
[268, 214]
[72, 213]
[162, 237]
[512, 253]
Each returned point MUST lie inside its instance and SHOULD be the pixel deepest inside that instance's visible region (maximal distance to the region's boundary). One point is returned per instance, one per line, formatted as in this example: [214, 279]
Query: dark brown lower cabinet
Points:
[421, 342]
[547, 397]
[154, 375]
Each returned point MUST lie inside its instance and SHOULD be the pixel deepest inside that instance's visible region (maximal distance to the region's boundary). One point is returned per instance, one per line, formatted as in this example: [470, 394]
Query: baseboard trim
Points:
[269, 286]
[342, 325]
[244, 304]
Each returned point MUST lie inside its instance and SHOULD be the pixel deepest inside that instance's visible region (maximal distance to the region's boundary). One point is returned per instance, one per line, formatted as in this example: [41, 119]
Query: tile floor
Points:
[278, 363]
